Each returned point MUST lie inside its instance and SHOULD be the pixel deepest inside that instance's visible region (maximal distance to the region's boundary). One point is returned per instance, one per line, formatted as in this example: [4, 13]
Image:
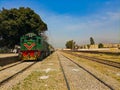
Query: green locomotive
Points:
[33, 47]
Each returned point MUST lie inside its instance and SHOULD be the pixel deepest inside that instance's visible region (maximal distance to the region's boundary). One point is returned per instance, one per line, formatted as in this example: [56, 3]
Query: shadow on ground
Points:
[8, 60]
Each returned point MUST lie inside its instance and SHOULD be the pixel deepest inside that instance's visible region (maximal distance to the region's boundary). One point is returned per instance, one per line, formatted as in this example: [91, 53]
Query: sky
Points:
[76, 20]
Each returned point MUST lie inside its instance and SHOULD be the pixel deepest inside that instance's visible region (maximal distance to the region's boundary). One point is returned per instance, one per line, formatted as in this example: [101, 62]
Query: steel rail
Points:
[110, 87]
[102, 61]
[11, 66]
[11, 77]
[66, 81]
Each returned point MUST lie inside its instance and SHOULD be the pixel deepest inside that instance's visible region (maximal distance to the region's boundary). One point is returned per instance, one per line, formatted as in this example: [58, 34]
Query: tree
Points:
[100, 45]
[92, 41]
[17, 22]
[70, 44]
[88, 46]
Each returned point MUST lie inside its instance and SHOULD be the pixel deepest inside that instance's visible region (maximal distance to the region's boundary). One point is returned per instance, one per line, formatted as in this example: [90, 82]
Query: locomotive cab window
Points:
[28, 38]
[39, 41]
[34, 38]
[22, 40]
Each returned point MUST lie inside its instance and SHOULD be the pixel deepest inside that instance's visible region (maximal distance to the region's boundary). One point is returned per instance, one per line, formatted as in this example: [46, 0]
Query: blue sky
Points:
[76, 20]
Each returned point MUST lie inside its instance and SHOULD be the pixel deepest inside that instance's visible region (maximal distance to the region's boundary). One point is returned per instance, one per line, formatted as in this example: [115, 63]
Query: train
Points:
[34, 47]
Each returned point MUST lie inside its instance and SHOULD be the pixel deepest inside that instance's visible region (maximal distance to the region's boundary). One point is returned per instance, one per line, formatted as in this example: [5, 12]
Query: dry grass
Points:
[115, 58]
[47, 77]
[104, 69]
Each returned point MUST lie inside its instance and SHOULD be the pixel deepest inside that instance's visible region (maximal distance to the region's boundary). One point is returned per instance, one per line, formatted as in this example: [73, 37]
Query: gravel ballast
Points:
[106, 73]
[79, 79]
[45, 75]
[48, 75]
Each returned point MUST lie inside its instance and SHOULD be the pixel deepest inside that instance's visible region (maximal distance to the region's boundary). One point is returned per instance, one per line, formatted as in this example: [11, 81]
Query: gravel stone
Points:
[79, 79]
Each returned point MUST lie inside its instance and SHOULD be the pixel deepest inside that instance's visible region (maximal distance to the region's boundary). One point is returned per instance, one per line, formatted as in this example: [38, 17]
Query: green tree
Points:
[100, 45]
[70, 44]
[16, 22]
[92, 41]
[88, 46]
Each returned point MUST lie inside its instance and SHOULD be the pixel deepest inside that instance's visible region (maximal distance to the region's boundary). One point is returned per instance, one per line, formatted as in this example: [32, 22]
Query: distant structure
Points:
[95, 46]
[115, 45]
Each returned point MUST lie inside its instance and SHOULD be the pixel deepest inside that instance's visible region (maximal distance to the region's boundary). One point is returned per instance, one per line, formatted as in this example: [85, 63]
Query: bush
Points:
[4, 50]
[100, 45]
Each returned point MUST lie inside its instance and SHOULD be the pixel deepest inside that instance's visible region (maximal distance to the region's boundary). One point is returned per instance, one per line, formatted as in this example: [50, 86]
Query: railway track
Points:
[108, 87]
[11, 65]
[9, 73]
[66, 81]
[102, 61]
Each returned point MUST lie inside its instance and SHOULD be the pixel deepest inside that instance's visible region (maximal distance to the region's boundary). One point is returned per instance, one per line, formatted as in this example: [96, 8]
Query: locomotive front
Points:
[30, 47]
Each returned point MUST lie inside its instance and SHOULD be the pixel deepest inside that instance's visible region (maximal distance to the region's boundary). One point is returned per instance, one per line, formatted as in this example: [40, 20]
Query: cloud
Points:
[103, 27]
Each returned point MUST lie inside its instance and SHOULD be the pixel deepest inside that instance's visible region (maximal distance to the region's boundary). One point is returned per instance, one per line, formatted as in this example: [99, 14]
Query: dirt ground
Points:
[8, 55]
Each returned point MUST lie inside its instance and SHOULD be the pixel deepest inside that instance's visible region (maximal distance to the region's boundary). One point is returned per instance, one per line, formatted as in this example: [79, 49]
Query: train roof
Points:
[30, 34]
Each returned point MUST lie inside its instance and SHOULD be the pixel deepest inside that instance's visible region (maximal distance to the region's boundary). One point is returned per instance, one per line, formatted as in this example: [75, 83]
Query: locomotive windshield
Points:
[32, 38]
